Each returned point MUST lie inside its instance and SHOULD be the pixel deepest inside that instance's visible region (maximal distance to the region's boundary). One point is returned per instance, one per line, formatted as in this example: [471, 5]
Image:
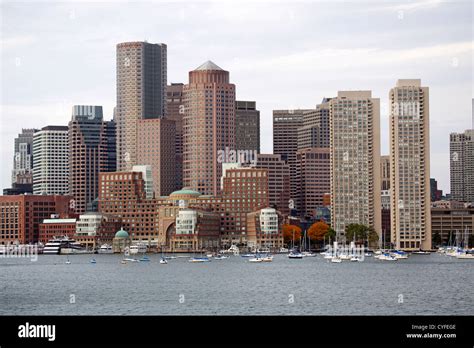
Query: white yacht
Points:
[52, 247]
[63, 245]
[268, 258]
[387, 257]
[138, 248]
[256, 259]
[295, 255]
[105, 249]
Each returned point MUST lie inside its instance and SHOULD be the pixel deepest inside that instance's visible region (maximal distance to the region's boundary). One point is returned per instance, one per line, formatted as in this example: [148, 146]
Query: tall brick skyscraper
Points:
[141, 93]
[208, 127]
[156, 147]
[91, 140]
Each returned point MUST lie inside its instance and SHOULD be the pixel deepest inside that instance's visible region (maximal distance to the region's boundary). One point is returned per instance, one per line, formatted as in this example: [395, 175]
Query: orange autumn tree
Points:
[318, 230]
[288, 233]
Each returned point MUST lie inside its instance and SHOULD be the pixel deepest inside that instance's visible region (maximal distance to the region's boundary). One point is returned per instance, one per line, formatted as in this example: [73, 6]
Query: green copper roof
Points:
[121, 233]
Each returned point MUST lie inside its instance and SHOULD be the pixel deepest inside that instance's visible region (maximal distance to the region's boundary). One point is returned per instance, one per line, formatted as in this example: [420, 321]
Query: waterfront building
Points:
[247, 126]
[208, 127]
[124, 195]
[121, 241]
[186, 229]
[141, 93]
[355, 160]
[90, 139]
[278, 180]
[95, 229]
[21, 215]
[461, 148]
[175, 112]
[56, 228]
[453, 223]
[313, 179]
[245, 190]
[264, 229]
[156, 146]
[51, 161]
[410, 166]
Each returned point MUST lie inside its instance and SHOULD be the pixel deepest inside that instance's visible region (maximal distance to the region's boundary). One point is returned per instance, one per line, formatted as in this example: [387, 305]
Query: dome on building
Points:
[185, 192]
[121, 233]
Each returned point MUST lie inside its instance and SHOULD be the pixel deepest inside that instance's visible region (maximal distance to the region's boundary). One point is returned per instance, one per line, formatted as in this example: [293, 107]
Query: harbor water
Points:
[420, 285]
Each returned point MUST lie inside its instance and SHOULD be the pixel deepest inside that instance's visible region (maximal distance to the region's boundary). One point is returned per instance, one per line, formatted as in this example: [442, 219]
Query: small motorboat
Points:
[295, 255]
[144, 259]
[220, 257]
[93, 261]
[68, 262]
[421, 252]
[336, 259]
[268, 258]
[256, 259]
[131, 260]
[163, 261]
[199, 259]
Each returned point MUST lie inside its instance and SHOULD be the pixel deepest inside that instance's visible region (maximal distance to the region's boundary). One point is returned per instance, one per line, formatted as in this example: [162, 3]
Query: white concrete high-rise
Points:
[51, 161]
[410, 166]
[355, 160]
[461, 148]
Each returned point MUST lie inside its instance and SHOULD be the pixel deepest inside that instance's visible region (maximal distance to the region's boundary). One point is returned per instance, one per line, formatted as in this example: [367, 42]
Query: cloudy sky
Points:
[283, 54]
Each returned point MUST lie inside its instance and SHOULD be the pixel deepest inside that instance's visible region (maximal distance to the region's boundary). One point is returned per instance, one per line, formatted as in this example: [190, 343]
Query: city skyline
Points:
[84, 69]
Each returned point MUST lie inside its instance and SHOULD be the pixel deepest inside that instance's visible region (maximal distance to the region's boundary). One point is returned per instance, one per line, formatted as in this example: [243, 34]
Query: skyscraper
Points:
[156, 147]
[245, 190]
[355, 160]
[51, 161]
[278, 180]
[91, 141]
[23, 158]
[208, 127]
[285, 140]
[410, 166]
[461, 148]
[385, 198]
[313, 177]
[314, 131]
[247, 126]
[175, 112]
[141, 93]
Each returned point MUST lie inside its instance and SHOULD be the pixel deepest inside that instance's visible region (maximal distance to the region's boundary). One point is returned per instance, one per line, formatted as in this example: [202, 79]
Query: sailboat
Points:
[294, 254]
[465, 253]
[163, 260]
[67, 261]
[127, 254]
